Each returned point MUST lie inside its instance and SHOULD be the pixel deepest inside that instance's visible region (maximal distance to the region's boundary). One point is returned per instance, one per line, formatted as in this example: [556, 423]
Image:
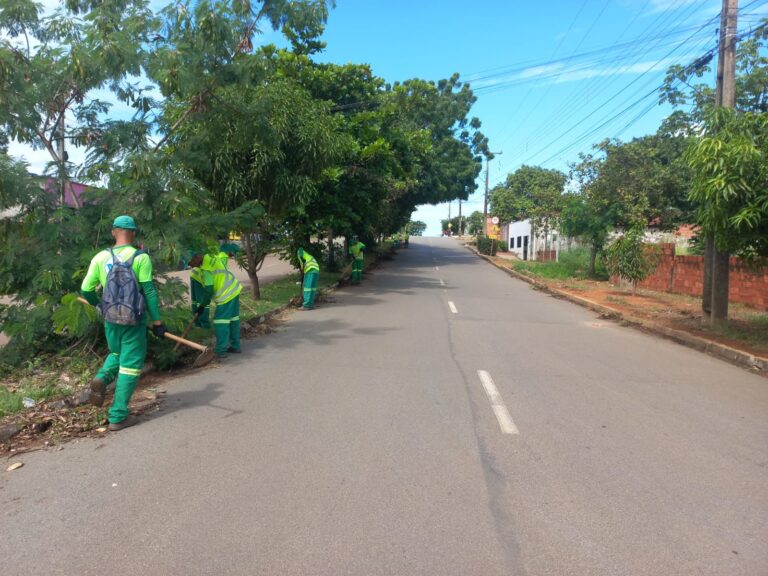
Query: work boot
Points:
[98, 389]
[129, 421]
[234, 350]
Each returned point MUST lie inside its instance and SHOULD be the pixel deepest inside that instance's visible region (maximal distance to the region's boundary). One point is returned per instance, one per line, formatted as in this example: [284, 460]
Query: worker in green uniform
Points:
[356, 250]
[311, 270]
[222, 288]
[126, 332]
[201, 311]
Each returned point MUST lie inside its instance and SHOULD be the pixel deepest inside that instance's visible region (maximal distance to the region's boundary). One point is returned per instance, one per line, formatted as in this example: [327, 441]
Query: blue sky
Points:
[552, 78]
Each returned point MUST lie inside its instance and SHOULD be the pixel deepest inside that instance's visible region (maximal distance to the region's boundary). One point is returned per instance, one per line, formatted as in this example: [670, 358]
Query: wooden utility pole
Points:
[725, 96]
[485, 198]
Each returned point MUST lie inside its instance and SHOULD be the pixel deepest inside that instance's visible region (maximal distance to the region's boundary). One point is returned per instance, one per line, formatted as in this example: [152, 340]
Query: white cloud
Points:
[666, 5]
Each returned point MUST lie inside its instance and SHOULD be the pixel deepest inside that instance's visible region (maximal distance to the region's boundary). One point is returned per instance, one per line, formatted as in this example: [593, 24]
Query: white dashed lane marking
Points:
[497, 404]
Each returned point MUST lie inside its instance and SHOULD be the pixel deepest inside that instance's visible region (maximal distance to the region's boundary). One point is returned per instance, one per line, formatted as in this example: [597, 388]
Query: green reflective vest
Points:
[224, 284]
[310, 264]
[357, 250]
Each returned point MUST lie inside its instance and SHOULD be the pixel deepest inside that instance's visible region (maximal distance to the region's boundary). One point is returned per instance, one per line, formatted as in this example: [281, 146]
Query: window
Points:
[519, 241]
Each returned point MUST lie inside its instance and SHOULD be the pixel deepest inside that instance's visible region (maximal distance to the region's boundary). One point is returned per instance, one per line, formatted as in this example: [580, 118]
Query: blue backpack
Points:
[122, 301]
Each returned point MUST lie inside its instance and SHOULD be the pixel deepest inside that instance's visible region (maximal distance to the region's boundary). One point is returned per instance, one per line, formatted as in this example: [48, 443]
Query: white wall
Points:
[519, 229]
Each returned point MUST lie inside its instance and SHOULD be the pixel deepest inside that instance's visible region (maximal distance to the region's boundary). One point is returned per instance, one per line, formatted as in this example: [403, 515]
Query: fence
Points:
[685, 275]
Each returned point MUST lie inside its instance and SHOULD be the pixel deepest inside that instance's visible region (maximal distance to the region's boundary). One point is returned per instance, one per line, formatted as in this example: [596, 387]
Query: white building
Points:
[531, 244]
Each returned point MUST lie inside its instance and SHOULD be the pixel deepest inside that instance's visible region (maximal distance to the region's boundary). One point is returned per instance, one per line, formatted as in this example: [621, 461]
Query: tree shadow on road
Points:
[186, 399]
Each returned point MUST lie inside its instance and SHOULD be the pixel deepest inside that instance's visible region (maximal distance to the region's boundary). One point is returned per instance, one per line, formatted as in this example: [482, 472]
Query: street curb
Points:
[741, 358]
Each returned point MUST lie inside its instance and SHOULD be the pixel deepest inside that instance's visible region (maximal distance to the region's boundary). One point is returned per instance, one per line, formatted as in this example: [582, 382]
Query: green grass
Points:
[279, 293]
[44, 378]
[12, 401]
[751, 328]
[572, 264]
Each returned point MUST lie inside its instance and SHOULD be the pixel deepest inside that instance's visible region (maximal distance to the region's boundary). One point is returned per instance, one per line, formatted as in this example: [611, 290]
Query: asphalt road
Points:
[440, 419]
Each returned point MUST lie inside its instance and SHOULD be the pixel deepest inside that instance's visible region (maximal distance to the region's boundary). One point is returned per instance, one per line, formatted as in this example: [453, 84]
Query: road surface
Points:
[441, 418]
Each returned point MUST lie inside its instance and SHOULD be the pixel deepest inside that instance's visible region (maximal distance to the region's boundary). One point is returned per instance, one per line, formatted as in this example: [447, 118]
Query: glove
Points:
[199, 311]
[159, 330]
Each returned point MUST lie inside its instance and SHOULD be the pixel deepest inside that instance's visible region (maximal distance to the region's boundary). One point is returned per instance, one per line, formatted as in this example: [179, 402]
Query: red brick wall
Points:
[684, 275]
[546, 255]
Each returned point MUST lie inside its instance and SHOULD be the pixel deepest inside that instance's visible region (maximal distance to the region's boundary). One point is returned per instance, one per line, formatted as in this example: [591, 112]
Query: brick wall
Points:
[684, 275]
[546, 255]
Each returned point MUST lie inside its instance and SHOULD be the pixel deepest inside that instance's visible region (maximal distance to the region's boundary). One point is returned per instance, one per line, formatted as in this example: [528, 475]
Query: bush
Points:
[630, 259]
[487, 246]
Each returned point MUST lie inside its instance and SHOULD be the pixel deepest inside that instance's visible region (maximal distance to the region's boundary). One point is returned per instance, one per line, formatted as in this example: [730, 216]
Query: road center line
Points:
[452, 306]
[442, 282]
[497, 404]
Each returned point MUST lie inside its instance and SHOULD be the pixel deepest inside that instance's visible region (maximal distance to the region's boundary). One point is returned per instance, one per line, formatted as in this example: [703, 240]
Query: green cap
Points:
[124, 222]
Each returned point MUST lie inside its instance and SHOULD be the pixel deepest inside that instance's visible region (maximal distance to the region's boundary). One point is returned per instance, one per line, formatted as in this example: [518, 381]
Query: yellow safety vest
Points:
[225, 286]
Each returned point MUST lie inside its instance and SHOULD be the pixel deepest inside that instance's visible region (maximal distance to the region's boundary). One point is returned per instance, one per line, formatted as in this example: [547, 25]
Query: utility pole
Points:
[461, 224]
[725, 96]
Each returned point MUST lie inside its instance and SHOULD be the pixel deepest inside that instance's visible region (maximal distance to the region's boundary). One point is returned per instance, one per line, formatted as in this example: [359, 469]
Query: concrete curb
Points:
[733, 355]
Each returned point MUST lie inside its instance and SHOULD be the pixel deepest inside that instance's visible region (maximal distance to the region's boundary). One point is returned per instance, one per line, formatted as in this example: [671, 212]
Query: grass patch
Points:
[572, 264]
[751, 328]
[43, 379]
[279, 293]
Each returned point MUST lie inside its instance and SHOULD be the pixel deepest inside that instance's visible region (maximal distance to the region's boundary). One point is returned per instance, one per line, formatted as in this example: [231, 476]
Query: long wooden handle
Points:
[168, 335]
[186, 331]
[186, 342]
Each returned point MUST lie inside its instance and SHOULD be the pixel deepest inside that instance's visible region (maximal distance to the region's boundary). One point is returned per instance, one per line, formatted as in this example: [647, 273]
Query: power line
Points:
[634, 104]
[626, 87]
[652, 31]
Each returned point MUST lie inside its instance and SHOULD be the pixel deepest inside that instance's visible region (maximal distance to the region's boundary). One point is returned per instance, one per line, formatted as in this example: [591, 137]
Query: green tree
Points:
[474, 225]
[751, 98]
[730, 180]
[416, 228]
[630, 259]
[529, 192]
[266, 147]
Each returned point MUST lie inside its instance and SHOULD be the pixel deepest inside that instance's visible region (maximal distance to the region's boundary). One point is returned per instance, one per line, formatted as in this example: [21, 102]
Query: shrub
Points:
[630, 259]
[487, 246]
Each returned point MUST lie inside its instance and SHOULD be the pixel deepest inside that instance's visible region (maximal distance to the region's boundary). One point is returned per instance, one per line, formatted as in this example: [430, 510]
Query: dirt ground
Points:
[747, 328]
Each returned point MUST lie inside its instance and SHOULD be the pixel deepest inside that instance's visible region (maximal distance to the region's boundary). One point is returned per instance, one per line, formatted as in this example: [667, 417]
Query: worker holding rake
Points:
[128, 297]
[220, 286]
[311, 270]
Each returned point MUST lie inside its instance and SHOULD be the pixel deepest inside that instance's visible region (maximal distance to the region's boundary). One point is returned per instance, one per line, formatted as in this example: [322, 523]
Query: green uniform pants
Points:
[357, 270]
[198, 296]
[310, 289]
[127, 350]
[226, 324]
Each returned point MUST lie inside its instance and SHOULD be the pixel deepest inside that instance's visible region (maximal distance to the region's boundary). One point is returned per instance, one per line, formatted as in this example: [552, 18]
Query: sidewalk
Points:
[672, 316]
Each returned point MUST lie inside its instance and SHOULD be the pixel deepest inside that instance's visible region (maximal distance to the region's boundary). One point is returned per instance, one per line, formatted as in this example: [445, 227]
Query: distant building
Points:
[73, 194]
[530, 243]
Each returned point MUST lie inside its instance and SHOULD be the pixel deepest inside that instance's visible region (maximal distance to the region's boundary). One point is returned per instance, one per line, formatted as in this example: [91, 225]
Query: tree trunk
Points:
[255, 288]
[592, 259]
[706, 295]
[720, 284]
[252, 267]
[331, 251]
